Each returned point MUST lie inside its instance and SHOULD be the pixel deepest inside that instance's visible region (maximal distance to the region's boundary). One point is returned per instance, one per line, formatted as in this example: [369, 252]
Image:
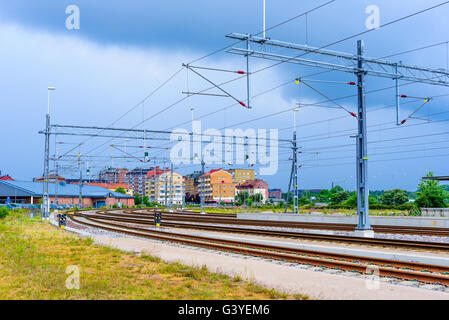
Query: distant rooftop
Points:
[35, 189]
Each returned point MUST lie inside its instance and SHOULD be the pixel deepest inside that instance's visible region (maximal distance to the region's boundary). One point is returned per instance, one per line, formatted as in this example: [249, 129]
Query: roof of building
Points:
[113, 170]
[138, 171]
[252, 184]
[35, 189]
[156, 171]
[212, 171]
[50, 177]
[110, 186]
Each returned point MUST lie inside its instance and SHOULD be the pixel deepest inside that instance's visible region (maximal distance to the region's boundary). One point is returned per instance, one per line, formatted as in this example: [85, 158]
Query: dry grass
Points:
[34, 257]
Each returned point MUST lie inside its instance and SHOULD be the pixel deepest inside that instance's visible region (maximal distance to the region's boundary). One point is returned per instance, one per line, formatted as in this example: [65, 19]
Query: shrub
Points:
[3, 212]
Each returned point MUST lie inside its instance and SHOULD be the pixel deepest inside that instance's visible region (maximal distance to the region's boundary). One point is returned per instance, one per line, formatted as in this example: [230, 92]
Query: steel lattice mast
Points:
[361, 66]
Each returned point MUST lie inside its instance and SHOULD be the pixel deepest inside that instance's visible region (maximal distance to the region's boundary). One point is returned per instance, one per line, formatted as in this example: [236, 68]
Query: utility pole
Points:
[81, 181]
[45, 195]
[362, 153]
[166, 187]
[398, 98]
[248, 91]
[56, 174]
[264, 20]
[202, 186]
[294, 171]
[183, 185]
[219, 199]
[171, 187]
[141, 185]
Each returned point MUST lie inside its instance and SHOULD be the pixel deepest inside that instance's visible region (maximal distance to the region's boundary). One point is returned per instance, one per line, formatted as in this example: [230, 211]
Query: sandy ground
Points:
[317, 285]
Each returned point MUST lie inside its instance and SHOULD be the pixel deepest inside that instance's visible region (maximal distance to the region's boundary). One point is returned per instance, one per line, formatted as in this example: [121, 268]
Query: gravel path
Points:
[285, 277]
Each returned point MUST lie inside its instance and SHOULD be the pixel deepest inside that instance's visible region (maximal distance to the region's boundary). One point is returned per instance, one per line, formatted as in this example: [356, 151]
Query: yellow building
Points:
[242, 175]
[219, 186]
[165, 186]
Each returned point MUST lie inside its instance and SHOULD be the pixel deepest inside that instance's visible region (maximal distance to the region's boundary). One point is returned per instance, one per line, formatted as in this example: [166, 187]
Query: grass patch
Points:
[34, 257]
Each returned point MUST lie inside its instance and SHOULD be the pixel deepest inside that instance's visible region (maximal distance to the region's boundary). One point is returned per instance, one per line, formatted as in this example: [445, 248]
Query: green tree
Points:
[352, 200]
[394, 197]
[138, 200]
[431, 194]
[324, 196]
[120, 190]
[303, 201]
[339, 197]
[336, 189]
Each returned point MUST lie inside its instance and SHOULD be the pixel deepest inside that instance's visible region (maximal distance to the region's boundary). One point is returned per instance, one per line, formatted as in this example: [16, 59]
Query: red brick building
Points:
[62, 194]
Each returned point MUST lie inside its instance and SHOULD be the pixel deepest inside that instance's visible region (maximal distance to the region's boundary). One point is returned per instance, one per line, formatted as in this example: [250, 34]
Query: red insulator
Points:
[403, 96]
[403, 121]
[351, 83]
[353, 114]
[242, 103]
[241, 72]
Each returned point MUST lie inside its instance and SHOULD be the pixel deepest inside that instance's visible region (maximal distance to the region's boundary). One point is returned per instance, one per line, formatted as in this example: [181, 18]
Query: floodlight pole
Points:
[45, 209]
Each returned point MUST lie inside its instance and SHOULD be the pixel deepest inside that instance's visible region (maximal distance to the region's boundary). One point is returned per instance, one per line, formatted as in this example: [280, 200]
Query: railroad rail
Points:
[218, 218]
[208, 225]
[387, 268]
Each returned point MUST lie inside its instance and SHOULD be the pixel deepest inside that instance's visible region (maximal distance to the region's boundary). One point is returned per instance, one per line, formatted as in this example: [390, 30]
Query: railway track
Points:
[208, 225]
[218, 218]
[383, 267]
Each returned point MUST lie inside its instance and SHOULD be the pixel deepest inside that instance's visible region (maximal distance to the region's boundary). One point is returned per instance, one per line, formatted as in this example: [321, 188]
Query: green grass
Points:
[34, 256]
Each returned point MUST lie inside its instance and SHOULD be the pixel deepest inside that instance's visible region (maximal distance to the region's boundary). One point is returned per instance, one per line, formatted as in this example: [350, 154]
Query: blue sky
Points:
[123, 51]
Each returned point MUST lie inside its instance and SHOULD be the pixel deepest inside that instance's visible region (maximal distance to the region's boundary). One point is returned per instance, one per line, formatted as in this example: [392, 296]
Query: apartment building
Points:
[242, 175]
[254, 187]
[275, 193]
[192, 186]
[114, 175]
[137, 178]
[219, 186]
[165, 186]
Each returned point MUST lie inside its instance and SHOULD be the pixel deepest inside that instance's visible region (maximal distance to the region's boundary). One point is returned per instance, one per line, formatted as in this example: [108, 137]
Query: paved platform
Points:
[427, 222]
